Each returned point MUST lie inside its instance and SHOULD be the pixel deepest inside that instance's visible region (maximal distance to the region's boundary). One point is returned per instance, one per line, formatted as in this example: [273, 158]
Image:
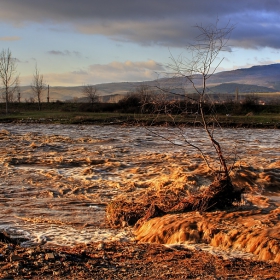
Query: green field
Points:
[249, 120]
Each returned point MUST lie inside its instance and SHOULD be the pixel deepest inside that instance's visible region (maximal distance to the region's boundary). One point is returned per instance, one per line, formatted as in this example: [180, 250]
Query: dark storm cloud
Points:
[163, 22]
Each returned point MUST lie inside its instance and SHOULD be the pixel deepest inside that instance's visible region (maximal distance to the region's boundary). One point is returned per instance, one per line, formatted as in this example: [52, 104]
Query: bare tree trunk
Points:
[214, 142]
[7, 99]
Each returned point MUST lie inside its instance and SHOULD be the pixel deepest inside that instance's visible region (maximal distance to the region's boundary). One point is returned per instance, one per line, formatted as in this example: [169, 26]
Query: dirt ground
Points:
[117, 260]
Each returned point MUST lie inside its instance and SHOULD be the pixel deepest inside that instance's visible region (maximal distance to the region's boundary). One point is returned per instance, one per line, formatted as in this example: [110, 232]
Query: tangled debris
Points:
[221, 194]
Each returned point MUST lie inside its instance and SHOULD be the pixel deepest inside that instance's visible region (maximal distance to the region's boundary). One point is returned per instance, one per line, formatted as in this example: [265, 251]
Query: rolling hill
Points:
[230, 88]
[256, 79]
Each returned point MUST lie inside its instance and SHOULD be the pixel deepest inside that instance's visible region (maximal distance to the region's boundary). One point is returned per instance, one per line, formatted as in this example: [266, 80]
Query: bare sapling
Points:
[189, 104]
[194, 71]
[38, 86]
[8, 76]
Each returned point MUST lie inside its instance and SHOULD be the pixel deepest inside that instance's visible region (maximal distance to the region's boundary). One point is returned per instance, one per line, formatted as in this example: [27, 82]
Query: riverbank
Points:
[271, 121]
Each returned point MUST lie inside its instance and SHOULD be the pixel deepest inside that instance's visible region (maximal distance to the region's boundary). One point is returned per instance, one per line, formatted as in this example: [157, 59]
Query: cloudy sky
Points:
[77, 42]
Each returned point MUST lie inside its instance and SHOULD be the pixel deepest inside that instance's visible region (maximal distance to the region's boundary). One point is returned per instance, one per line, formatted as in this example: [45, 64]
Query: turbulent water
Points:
[56, 180]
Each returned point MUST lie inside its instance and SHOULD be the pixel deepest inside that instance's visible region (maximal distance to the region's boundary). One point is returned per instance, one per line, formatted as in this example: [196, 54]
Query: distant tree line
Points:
[144, 100]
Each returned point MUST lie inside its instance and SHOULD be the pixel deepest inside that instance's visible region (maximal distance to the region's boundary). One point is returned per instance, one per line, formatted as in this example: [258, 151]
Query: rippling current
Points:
[56, 180]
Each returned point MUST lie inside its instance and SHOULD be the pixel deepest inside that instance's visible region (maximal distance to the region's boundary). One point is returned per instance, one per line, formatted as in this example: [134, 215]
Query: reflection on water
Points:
[57, 179]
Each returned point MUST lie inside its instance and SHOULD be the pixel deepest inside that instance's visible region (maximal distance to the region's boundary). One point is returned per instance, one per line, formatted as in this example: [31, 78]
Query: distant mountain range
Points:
[257, 79]
[265, 76]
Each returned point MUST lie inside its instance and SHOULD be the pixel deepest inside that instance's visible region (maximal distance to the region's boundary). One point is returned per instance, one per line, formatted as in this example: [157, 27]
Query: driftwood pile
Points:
[220, 195]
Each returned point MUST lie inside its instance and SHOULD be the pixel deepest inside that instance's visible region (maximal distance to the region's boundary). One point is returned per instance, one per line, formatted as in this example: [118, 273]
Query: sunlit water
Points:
[56, 180]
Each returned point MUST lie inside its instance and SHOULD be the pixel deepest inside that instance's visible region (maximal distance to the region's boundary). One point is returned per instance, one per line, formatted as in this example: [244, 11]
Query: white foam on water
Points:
[225, 254]
[65, 235]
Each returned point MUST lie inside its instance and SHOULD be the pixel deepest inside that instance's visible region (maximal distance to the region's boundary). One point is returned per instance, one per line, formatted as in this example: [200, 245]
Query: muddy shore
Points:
[248, 123]
[126, 261]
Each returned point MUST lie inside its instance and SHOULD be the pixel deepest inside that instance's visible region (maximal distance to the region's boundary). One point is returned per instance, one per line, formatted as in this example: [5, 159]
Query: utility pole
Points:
[48, 97]
[237, 95]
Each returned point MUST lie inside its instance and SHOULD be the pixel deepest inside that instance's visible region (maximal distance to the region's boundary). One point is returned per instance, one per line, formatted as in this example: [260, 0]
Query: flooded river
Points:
[57, 179]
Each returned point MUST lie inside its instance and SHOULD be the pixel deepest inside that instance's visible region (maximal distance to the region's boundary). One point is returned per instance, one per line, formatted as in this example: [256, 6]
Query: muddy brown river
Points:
[56, 180]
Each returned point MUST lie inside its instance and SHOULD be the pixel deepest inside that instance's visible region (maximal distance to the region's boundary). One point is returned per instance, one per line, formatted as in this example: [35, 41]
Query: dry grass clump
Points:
[120, 213]
[124, 211]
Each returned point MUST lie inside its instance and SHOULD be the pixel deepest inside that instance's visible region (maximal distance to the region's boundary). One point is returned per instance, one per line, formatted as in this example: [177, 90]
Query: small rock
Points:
[100, 246]
[15, 258]
[49, 256]
[30, 251]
